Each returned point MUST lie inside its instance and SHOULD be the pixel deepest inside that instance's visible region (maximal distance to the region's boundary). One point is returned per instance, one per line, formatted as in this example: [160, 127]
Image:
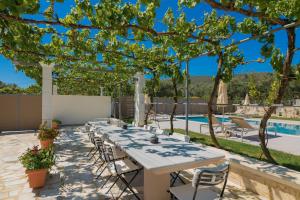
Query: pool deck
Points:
[281, 142]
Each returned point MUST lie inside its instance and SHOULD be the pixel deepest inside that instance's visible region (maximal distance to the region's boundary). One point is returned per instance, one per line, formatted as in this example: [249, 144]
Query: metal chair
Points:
[215, 123]
[101, 146]
[120, 168]
[242, 126]
[176, 175]
[93, 140]
[207, 177]
[86, 127]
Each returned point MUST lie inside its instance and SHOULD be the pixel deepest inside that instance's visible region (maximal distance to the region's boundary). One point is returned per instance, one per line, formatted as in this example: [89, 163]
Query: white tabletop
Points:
[169, 155]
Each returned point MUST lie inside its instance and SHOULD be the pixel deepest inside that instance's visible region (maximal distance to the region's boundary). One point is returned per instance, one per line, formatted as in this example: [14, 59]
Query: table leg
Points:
[156, 186]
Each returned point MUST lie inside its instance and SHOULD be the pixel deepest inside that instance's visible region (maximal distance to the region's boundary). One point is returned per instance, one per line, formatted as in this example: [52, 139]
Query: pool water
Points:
[288, 129]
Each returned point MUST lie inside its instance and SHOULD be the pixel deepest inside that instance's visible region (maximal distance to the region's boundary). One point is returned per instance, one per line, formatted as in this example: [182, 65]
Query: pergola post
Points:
[120, 105]
[47, 93]
[54, 90]
[139, 99]
[101, 91]
[187, 102]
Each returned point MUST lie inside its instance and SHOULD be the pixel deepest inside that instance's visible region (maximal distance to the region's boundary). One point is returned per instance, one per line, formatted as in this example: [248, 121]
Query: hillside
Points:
[6, 88]
[201, 86]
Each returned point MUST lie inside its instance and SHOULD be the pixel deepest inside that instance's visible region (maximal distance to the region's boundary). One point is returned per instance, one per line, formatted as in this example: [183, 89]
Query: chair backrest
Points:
[87, 127]
[210, 177]
[149, 128]
[187, 138]
[109, 151]
[241, 122]
[214, 120]
[101, 149]
[98, 131]
[92, 137]
[110, 156]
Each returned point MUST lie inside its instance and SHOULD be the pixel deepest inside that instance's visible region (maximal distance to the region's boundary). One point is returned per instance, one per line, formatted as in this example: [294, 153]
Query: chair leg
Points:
[224, 186]
[181, 180]
[100, 167]
[92, 149]
[112, 185]
[93, 155]
[101, 172]
[131, 190]
[175, 177]
[105, 182]
[243, 135]
[96, 161]
[128, 185]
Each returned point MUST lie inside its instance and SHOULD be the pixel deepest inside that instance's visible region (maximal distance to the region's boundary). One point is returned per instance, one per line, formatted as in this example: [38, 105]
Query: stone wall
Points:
[286, 111]
[272, 185]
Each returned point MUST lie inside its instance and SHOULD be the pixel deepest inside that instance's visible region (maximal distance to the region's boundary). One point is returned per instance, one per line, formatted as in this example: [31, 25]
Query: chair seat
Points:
[123, 166]
[119, 154]
[186, 192]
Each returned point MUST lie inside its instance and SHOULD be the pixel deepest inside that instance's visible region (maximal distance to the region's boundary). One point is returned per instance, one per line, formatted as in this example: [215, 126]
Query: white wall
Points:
[78, 109]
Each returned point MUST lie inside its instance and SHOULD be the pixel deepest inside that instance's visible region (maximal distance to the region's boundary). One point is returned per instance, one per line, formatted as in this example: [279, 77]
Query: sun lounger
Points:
[215, 123]
[242, 126]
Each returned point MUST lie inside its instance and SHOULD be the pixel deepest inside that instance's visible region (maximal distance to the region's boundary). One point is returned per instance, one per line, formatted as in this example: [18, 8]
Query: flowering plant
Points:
[46, 133]
[35, 158]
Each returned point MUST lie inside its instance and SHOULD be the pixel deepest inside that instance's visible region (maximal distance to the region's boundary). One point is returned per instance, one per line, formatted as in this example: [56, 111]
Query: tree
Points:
[281, 12]
[14, 89]
[151, 89]
[176, 76]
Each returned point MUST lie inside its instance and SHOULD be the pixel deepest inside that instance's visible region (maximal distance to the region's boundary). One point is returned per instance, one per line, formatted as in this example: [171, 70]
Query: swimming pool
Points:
[283, 128]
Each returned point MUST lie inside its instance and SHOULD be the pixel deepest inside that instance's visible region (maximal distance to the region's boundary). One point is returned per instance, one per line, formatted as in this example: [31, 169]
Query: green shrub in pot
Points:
[37, 162]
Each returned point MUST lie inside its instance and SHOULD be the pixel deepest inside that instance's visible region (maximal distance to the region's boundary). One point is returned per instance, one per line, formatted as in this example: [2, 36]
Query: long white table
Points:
[158, 160]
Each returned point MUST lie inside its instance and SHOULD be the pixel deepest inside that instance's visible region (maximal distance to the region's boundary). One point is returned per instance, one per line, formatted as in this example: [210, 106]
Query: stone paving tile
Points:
[74, 175]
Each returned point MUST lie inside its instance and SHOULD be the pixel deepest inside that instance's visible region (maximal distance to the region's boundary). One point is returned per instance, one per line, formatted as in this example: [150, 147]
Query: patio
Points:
[73, 176]
[77, 59]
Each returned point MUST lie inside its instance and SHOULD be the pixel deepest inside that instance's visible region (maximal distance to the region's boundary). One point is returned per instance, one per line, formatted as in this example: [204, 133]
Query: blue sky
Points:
[200, 66]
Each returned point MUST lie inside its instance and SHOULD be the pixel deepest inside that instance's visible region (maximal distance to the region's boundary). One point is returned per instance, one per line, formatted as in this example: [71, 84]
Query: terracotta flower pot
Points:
[45, 144]
[37, 178]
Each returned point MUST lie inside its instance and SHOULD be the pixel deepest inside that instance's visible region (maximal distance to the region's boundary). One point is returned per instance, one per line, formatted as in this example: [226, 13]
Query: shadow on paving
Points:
[72, 176]
[255, 138]
[78, 174]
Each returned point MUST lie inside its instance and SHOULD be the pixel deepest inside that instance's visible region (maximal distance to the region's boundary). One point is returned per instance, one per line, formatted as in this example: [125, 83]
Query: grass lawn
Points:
[284, 159]
[286, 118]
[128, 120]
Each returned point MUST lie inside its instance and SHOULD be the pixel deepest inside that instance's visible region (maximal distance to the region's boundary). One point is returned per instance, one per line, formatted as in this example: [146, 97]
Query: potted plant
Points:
[46, 136]
[56, 123]
[37, 162]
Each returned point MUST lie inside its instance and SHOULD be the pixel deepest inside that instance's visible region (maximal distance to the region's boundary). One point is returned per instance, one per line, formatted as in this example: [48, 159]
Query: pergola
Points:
[48, 90]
